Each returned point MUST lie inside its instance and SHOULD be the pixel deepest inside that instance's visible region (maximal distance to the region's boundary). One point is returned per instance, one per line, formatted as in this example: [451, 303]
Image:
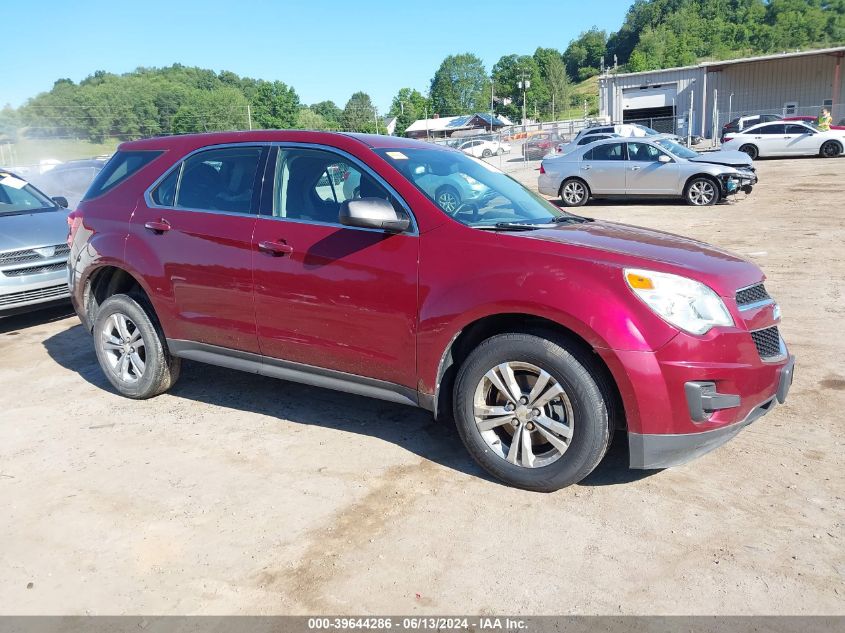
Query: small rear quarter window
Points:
[120, 167]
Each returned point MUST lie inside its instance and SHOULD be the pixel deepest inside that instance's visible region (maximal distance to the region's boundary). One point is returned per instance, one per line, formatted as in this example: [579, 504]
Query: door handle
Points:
[157, 226]
[585, 167]
[636, 168]
[277, 249]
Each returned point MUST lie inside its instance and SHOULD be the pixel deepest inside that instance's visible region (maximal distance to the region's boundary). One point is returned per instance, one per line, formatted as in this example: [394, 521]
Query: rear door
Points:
[646, 175]
[195, 226]
[603, 168]
[769, 139]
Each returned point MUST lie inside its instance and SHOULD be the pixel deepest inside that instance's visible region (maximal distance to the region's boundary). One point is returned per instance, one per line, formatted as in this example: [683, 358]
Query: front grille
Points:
[10, 258]
[27, 296]
[35, 270]
[752, 294]
[767, 342]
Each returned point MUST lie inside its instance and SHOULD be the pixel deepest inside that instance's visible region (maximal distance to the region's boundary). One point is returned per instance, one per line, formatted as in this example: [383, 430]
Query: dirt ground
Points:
[241, 494]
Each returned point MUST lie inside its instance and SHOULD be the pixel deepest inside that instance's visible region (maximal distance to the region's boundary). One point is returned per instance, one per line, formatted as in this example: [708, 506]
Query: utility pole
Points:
[249, 117]
[375, 116]
[491, 104]
[523, 84]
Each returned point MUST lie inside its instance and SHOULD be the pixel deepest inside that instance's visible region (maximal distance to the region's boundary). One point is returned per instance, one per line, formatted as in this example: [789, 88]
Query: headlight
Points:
[685, 303]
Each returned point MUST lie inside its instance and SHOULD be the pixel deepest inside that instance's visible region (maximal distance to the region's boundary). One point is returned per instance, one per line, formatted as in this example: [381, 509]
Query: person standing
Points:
[825, 120]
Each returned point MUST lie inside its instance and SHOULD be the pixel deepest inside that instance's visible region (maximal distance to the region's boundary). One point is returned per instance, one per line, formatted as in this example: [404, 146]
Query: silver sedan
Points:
[653, 167]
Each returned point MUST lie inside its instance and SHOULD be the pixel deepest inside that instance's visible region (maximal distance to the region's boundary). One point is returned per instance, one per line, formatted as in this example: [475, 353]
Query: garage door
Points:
[647, 98]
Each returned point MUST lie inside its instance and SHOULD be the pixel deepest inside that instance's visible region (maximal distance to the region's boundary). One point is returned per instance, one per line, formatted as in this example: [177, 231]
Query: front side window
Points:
[470, 190]
[214, 180]
[643, 152]
[797, 129]
[312, 184]
[120, 167]
[18, 196]
[608, 151]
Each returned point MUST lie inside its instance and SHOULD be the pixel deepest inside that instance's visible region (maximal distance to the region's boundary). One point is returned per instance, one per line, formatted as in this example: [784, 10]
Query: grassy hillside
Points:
[31, 151]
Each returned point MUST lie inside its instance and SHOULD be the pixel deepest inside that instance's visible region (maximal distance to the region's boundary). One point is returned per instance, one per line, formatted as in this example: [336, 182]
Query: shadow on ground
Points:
[411, 428]
[38, 317]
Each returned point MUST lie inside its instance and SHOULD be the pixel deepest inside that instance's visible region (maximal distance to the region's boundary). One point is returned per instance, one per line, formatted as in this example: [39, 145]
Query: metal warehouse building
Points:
[712, 93]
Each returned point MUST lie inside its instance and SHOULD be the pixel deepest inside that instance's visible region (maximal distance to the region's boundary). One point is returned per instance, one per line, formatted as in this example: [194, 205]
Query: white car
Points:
[484, 149]
[786, 138]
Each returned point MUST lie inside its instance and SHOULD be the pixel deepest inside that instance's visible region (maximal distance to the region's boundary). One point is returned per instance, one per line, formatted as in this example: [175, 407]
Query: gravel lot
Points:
[240, 494]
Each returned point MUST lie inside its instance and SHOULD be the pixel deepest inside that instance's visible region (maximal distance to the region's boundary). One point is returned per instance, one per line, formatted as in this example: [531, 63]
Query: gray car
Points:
[651, 166]
[33, 247]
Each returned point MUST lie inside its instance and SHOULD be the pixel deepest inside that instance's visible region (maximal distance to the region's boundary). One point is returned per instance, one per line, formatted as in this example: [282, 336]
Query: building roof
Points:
[449, 123]
[718, 65]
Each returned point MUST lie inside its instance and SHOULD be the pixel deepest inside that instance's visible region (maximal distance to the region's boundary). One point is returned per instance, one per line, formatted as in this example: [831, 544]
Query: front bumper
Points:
[653, 451]
[33, 291]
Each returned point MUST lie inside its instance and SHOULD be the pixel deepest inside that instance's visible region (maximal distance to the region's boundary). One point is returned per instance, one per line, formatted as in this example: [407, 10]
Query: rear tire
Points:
[830, 149]
[486, 153]
[561, 425]
[132, 350]
[702, 192]
[574, 192]
[751, 150]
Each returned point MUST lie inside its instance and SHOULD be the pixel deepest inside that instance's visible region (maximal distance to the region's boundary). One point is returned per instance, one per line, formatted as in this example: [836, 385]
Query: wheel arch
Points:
[708, 176]
[473, 333]
[105, 281]
[579, 179]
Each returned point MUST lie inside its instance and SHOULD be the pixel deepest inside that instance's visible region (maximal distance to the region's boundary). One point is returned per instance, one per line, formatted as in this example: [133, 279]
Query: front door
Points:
[196, 228]
[646, 175]
[801, 140]
[603, 168]
[328, 295]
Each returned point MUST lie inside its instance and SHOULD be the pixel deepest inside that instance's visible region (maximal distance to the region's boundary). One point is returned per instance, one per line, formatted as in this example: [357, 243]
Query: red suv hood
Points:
[638, 247]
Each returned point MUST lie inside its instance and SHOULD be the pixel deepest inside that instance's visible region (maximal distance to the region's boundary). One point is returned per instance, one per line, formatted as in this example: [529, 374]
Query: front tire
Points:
[574, 192]
[830, 149]
[448, 199]
[131, 350]
[531, 413]
[702, 192]
[751, 150]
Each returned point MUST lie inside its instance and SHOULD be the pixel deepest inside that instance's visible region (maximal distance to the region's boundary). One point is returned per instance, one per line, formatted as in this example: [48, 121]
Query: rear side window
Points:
[610, 151]
[770, 129]
[213, 180]
[121, 166]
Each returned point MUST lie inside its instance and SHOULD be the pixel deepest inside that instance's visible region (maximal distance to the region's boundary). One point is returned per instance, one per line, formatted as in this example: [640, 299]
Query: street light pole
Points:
[523, 84]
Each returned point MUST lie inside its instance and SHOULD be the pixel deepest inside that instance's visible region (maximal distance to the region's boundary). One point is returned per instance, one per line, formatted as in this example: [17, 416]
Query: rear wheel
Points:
[574, 192]
[486, 153]
[131, 350]
[702, 192]
[531, 413]
[831, 149]
[751, 150]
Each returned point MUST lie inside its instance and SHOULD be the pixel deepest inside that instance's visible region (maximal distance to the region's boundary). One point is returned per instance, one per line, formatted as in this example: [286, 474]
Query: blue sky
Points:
[324, 49]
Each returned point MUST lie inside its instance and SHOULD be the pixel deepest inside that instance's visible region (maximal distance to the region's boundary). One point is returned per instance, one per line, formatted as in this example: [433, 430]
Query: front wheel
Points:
[831, 149]
[702, 192]
[574, 193]
[500, 151]
[448, 199]
[131, 350]
[751, 150]
[531, 413]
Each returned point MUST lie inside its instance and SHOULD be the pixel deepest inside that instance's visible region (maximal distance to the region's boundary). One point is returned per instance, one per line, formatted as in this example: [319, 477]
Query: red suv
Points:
[540, 332]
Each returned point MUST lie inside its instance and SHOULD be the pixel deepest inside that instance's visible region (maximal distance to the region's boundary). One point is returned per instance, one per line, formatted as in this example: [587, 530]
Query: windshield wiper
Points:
[508, 226]
[571, 219]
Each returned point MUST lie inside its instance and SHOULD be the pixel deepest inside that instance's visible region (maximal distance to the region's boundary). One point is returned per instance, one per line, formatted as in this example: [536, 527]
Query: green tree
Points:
[212, 111]
[460, 86]
[275, 106]
[408, 106]
[584, 54]
[553, 72]
[359, 114]
[330, 112]
[507, 73]
[307, 119]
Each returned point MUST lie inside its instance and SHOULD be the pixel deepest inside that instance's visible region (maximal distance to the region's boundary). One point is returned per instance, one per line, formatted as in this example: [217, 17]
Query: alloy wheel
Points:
[573, 192]
[124, 347]
[448, 201]
[523, 414]
[702, 192]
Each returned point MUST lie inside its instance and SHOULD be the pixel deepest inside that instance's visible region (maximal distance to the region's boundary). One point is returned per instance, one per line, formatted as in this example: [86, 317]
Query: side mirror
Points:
[61, 201]
[663, 158]
[373, 213]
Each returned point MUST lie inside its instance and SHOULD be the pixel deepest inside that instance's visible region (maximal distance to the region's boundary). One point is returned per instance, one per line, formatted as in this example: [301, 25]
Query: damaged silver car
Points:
[650, 167]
